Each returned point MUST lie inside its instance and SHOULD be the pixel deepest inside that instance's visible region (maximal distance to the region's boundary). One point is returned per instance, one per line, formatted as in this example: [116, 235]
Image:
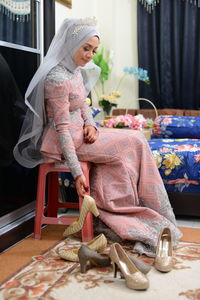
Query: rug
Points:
[47, 277]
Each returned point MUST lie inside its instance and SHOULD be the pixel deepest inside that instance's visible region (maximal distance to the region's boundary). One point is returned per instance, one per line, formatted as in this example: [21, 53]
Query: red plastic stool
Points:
[53, 203]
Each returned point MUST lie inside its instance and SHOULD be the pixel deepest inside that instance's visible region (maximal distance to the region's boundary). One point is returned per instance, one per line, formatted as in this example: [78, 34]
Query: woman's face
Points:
[86, 52]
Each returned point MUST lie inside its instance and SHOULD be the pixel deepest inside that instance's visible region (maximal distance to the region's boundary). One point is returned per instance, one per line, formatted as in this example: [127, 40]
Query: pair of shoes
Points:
[87, 255]
[134, 278]
[88, 205]
[99, 243]
[164, 255]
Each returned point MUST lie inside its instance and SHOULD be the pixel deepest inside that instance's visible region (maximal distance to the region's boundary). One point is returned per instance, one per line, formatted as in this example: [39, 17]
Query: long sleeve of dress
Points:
[57, 96]
[87, 115]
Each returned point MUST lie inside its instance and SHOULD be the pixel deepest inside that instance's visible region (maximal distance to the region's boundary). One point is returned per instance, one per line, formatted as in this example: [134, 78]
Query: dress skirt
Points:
[128, 189]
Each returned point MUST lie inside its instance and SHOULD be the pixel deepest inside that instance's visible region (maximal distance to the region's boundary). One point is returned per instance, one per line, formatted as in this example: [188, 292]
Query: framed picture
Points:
[67, 3]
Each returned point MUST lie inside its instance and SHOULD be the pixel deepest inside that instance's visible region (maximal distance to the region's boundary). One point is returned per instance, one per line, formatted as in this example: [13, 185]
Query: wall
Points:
[117, 21]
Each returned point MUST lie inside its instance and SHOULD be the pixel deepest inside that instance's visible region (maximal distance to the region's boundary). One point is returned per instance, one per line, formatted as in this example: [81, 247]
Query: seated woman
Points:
[125, 181]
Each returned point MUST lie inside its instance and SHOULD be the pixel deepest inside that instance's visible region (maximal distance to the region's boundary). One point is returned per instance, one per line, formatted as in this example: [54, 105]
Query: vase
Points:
[107, 110]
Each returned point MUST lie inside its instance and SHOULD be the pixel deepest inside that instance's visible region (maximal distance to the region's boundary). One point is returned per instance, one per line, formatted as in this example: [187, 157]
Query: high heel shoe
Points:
[88, 205]
[134, 278]
[99, 243]
[142, 266]
[85, 255]
[164, 255]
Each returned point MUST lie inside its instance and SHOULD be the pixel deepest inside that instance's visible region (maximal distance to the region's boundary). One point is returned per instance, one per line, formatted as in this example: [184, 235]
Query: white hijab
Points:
[72, 34]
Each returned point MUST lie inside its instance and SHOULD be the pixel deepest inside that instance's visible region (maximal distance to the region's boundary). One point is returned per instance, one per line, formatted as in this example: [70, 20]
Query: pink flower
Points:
[164, 149]
[109, 123]
[133, 122]
[167, 120]
[197, 158]
[186, 147]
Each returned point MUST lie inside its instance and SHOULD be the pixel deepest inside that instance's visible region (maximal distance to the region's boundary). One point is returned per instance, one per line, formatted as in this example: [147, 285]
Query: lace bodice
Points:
[67, 114]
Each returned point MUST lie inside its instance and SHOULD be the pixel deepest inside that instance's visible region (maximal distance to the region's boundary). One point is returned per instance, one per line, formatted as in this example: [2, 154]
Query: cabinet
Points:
[24, 39]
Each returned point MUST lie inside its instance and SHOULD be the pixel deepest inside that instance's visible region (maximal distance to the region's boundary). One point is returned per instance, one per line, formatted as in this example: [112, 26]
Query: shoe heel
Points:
[94, 210]
[115, 270]
[83, 265]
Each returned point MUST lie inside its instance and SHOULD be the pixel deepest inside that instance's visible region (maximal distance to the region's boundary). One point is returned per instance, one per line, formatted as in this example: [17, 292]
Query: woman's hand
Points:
[81, 185]
[90, 134]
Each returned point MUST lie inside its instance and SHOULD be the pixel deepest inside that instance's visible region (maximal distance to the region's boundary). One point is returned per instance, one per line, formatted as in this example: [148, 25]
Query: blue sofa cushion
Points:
[167, 126]
[178, 161]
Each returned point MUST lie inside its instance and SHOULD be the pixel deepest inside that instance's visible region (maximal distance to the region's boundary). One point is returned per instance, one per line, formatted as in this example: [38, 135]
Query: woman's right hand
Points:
[81, 185]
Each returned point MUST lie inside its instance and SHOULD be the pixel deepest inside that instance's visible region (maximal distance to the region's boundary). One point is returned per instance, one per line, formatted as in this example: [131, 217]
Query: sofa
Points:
[175, 145]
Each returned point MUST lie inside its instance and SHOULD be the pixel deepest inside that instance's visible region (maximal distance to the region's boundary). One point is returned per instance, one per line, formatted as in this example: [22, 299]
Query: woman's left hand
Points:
[90, 134]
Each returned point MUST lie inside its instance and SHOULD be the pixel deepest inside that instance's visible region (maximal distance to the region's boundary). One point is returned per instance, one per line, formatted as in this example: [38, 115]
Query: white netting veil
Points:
[72, 34]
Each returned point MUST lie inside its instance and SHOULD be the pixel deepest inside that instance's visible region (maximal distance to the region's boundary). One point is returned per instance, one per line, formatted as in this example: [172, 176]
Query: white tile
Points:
[188, 222]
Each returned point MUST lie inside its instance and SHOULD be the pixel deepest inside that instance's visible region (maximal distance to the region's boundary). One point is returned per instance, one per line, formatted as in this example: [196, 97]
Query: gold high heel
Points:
[134, 278]
[99, 243]
[164, 255]
[88, 205]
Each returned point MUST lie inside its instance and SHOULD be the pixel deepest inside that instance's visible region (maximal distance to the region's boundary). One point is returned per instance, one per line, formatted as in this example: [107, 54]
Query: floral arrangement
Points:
[104, 61]
[139, 73]
[107, 101]
[137, 122]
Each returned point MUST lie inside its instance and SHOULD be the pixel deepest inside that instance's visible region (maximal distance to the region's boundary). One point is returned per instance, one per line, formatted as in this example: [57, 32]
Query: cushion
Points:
[168, 126]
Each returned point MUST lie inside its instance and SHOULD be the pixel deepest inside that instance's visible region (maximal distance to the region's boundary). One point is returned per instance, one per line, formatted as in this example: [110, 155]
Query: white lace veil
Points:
[72, 34]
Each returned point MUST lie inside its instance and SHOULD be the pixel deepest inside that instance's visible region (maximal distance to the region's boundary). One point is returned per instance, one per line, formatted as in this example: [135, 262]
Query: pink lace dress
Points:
[125, 181]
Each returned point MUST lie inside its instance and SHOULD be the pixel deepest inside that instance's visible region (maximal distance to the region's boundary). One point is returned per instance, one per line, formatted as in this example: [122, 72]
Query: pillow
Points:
[168, 126]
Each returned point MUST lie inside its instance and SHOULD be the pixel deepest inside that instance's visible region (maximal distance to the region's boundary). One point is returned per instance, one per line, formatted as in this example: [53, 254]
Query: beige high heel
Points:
[88, 205]
[164, 255]
[141, 265]
[134, 278]
[98, 244]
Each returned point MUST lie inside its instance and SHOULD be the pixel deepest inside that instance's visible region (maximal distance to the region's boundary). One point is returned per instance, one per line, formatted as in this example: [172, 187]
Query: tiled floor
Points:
[188, 222]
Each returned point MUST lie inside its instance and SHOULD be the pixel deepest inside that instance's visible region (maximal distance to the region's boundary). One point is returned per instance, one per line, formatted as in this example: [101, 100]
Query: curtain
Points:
[15, 22]
[49, 23]
[18, 184]
[168, 47]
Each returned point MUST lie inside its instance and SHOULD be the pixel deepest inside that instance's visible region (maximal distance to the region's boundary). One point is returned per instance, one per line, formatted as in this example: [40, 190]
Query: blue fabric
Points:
[176, 127]
[178, 161]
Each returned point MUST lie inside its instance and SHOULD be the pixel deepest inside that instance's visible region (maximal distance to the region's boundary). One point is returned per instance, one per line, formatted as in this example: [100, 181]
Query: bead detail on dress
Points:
[59, 74]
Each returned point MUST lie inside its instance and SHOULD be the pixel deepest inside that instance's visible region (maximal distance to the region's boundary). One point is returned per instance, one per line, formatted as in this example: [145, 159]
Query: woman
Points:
[125, 181]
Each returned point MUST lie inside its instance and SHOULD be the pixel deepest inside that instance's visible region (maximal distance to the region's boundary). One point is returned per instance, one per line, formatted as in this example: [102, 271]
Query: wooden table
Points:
[147, 132]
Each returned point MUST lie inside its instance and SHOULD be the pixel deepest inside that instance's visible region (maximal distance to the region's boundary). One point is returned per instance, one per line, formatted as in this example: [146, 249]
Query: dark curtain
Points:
[49, 23]
[15, 28]
[16, 32]
[168, 47]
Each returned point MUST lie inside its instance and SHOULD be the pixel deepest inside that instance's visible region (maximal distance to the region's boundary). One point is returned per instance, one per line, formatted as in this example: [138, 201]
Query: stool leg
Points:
[87, 230]
[52, 208]
[39, 204]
